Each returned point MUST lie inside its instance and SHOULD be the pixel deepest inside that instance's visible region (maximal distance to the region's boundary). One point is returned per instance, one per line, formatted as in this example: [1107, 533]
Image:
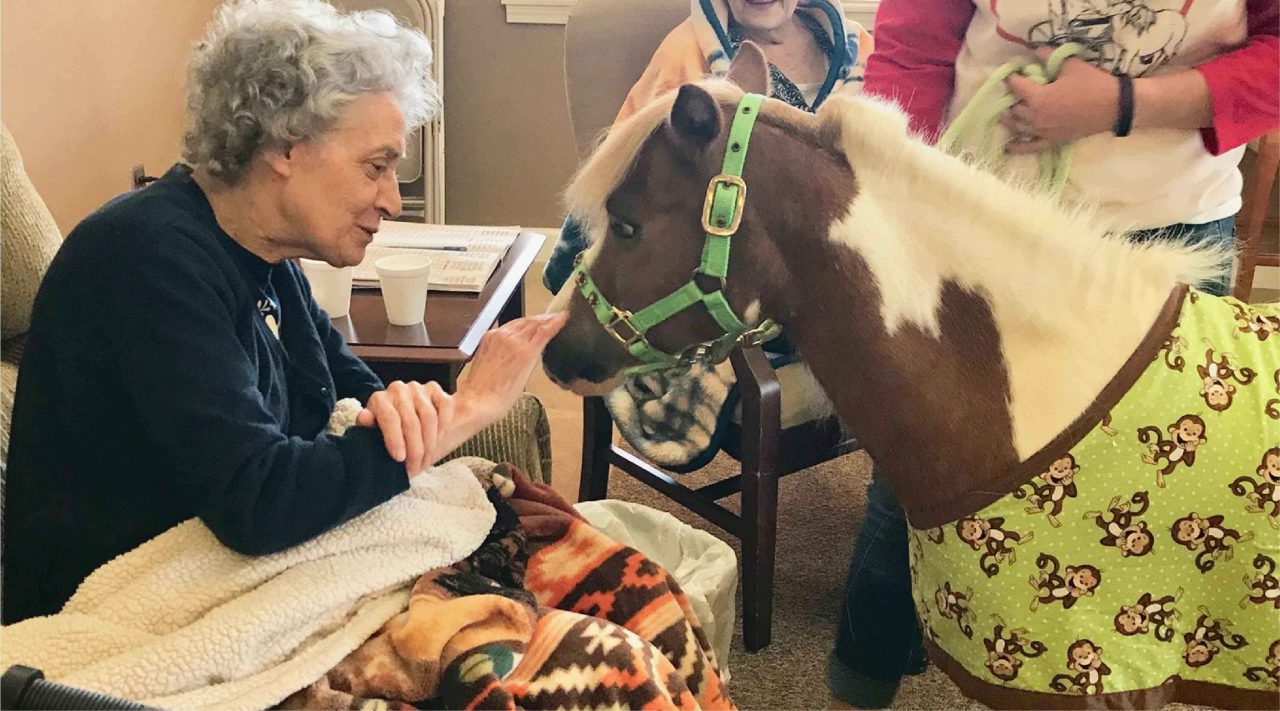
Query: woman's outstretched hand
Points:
[502, 365]
[421, 423]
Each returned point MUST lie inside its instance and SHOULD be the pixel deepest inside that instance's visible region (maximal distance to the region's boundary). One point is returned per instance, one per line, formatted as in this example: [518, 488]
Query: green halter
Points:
[721, 215]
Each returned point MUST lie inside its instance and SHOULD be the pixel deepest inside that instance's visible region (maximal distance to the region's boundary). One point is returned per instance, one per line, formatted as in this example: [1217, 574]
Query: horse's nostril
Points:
[594, 372]
[556, 376]
[564, 364]
[557, 360]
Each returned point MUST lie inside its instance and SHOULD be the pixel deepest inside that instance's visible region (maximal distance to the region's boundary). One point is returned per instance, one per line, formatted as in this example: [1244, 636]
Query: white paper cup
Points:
[330, 286]
[405, 279]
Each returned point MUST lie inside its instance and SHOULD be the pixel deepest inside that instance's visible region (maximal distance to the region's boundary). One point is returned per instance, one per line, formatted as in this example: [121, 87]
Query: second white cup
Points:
[405, 279]
[330, 286]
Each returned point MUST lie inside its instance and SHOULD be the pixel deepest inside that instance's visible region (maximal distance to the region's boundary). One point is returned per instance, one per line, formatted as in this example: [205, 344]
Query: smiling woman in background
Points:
[811, 52]
[176, 364]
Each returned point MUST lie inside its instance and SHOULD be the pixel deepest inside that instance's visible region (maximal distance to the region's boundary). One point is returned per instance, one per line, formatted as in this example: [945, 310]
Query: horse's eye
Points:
[623, 230]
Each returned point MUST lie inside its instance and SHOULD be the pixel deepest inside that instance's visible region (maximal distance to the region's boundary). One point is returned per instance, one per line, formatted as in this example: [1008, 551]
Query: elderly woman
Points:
[158, 388]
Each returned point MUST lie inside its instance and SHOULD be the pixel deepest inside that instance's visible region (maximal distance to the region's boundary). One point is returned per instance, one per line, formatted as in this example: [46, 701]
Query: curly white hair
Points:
[274, 72]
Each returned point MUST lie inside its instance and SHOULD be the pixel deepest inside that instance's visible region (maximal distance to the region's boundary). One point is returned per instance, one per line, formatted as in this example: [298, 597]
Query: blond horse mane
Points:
[1012, 241]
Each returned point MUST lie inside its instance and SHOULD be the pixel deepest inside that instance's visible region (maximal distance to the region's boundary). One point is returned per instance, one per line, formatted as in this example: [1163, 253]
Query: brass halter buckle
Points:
[622, 317]
[727, 181]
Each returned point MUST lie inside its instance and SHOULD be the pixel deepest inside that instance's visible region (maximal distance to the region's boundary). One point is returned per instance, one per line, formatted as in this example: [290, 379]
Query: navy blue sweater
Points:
[152, 390]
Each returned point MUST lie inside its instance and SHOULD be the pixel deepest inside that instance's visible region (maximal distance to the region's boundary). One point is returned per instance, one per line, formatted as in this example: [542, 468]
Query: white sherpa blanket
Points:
[184, 622]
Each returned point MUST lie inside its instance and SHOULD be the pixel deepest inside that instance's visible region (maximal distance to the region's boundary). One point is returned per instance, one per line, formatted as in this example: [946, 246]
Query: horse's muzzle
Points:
[569, 367]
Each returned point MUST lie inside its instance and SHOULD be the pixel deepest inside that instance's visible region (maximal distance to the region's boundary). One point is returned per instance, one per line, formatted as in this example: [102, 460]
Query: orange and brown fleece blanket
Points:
[547, 613]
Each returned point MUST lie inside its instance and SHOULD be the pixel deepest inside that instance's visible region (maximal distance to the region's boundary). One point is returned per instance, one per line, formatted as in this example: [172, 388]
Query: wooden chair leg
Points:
[597, 438]
[1258, 191]
[759, 541]
[761, 425]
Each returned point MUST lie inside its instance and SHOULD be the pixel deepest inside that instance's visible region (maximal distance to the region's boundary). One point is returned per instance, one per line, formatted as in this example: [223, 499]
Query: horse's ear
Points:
[695, 117]
[750, 70]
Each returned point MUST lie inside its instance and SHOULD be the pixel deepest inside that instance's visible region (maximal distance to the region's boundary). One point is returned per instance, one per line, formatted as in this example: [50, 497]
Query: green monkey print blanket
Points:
[1141, 565]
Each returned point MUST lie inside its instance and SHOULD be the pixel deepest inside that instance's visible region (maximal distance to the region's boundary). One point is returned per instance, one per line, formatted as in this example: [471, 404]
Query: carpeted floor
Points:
[819, 512]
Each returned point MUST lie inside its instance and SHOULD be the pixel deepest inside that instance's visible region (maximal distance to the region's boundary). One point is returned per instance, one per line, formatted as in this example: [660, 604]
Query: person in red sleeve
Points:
[1159, 107]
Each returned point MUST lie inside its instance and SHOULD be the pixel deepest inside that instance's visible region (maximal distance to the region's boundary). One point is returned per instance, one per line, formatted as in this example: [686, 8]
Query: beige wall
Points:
[90, 89]
[508, 146]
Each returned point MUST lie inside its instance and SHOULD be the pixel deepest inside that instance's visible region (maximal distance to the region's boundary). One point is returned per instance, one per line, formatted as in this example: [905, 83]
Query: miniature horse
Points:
[1092, 501]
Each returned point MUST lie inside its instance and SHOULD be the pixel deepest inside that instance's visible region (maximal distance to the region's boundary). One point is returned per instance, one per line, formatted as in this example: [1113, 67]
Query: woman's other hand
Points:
[412, 417]
[1082, 101]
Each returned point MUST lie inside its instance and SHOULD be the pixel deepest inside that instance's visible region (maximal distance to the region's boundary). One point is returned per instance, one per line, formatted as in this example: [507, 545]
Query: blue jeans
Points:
[1219, 233]
[879, 638]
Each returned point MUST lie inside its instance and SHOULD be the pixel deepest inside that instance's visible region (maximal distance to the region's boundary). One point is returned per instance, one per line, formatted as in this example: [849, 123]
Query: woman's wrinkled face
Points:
[762, 14]
[342, 183]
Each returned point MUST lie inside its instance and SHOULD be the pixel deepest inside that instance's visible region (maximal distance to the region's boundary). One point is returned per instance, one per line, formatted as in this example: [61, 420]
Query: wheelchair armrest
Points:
[26, 688]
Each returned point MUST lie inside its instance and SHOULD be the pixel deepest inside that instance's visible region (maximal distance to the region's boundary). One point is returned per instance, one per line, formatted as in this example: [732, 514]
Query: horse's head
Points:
[660, 279]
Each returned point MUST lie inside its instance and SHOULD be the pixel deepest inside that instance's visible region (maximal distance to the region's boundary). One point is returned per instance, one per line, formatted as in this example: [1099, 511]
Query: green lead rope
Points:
[974, 130]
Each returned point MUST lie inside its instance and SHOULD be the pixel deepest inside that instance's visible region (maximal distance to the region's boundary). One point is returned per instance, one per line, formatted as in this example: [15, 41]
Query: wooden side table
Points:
[454, 322]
